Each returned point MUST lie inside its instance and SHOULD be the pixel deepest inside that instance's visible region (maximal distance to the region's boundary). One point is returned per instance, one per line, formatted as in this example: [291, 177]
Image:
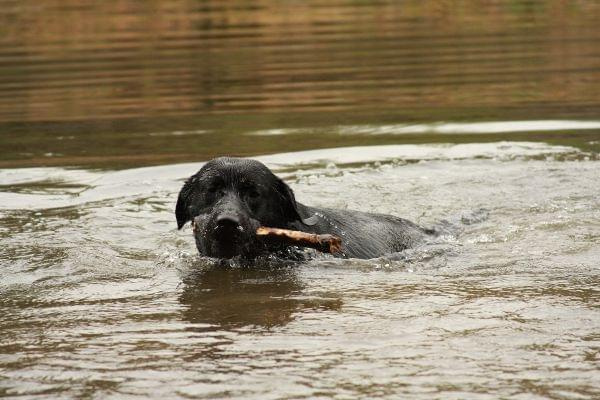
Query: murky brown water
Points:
[443, 109]
[125, 83]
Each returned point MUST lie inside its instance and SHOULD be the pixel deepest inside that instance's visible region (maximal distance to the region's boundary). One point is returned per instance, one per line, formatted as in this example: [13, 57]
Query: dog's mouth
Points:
[222, 241]
[227, 241]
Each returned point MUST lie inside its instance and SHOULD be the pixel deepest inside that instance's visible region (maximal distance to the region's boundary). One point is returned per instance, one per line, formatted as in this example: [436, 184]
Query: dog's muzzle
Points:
[223, 236]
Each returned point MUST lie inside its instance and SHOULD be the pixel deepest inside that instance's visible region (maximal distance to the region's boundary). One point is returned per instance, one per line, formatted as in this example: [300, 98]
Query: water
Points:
[105, 85]
[102, 296]
[479, 117]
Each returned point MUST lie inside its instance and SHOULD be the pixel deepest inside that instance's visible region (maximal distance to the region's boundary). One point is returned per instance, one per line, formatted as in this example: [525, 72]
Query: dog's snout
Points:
[228, 221]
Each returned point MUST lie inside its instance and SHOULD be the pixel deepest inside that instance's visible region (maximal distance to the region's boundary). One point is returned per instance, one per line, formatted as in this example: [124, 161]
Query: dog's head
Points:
[227, 200]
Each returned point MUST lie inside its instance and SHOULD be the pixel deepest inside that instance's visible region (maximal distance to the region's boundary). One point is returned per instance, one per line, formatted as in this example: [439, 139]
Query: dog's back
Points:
[364, 235]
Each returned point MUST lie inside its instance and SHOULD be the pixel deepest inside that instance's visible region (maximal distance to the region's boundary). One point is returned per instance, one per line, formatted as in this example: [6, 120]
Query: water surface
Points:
[102, 296]
[125, 84]
[479, 116]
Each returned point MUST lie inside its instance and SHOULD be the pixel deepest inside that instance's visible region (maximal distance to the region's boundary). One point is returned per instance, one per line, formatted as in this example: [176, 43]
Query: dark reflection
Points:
[124, 83]
[234, 297]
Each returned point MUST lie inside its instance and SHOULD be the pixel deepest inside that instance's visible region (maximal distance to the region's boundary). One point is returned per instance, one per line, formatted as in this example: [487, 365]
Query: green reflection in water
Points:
[125, 85]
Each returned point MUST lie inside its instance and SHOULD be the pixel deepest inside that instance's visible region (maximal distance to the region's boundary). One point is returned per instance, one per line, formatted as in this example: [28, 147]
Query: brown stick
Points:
[325, 243]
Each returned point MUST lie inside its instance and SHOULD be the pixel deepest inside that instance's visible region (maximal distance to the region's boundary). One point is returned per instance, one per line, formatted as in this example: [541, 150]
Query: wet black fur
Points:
[249, 191]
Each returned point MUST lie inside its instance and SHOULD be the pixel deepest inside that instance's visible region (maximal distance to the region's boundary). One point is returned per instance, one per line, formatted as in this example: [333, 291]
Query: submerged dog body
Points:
[229, 198]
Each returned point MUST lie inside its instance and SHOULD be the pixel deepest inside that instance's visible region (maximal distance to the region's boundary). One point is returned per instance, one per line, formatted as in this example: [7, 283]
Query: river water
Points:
[479, 118]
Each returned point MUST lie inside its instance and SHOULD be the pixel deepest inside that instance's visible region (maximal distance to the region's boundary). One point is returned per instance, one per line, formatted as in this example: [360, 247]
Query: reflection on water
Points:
[92, 83]
[442, 128]
[241, 296]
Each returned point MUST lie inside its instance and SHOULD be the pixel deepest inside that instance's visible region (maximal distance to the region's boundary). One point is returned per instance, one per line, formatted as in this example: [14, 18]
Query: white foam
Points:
[441, 128]
[102, 186]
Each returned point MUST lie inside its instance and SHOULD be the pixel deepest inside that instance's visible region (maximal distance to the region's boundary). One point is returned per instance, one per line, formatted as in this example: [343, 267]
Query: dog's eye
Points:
[213, 188]
[250, 191]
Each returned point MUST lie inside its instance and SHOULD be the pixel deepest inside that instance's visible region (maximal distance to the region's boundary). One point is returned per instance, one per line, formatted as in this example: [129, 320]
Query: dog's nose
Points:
[228, 222]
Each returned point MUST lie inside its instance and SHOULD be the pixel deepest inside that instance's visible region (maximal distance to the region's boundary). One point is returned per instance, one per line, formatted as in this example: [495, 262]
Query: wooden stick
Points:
[326, 243]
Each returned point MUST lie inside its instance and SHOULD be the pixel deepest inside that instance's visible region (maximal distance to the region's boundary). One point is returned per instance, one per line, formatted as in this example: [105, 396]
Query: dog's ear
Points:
[289, 206]
[181, 209]
[287, 201]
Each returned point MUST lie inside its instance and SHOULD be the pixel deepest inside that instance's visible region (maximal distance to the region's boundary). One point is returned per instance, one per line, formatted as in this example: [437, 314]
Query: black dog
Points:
[230, 197]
